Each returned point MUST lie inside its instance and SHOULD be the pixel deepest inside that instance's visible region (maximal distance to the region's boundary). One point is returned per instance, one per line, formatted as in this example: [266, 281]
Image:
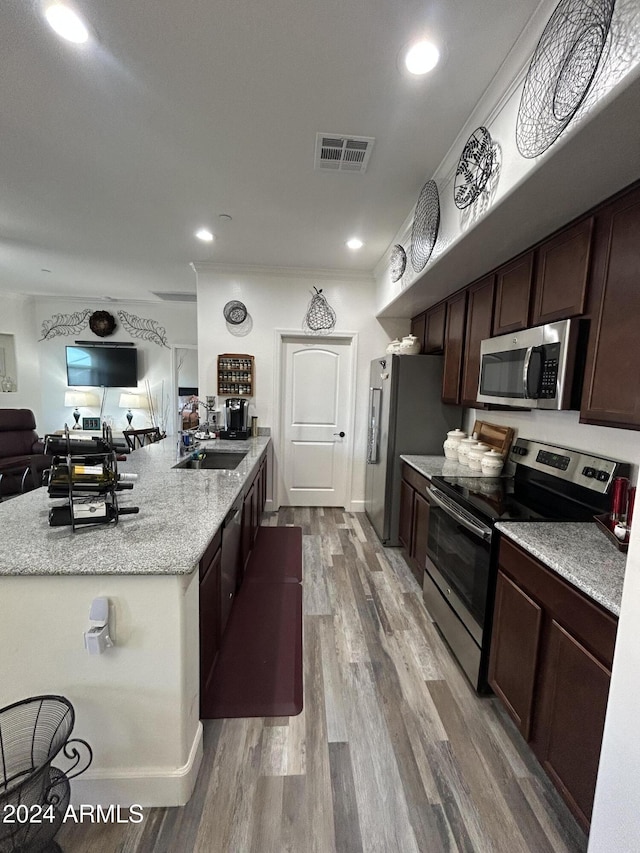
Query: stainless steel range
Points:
[548, 483]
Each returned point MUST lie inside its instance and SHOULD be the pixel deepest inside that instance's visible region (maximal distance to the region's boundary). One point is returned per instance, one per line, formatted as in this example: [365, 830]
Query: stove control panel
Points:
[584, 469]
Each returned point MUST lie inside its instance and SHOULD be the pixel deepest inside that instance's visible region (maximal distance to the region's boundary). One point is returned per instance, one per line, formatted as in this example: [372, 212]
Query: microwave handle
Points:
[533, 358]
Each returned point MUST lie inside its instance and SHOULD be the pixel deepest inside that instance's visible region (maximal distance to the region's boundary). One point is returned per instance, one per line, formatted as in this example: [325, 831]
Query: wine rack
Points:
[236, 375]
[88, 479]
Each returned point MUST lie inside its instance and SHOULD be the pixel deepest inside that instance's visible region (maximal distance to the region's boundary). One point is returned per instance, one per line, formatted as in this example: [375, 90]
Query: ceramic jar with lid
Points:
[463, 450]
[475, 455]
[393, 347]
[410, 346]
[492, 463]
[454, 437]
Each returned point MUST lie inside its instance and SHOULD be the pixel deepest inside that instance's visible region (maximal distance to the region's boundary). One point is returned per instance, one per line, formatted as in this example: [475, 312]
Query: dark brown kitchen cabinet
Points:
[435, 328]
[248, 523]
[414, 519]
[479, 327]
[513, 294]
[550, 664]
[418, 326]
[562, 274]
[210, 611]
[611, 389]
[454, 348]
[514, 650]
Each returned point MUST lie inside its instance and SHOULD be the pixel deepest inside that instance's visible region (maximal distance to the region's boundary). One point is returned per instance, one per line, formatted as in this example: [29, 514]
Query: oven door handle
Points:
[450, 508]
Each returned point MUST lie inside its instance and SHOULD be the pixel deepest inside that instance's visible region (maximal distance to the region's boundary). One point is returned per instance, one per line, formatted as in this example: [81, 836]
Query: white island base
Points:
[137, 704]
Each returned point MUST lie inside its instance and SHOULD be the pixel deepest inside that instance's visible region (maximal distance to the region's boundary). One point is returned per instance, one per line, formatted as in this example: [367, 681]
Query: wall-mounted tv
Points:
[111, 367]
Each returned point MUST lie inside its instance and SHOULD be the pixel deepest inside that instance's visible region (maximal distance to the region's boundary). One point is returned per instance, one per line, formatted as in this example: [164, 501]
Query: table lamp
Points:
[132, 401]
[77, 399]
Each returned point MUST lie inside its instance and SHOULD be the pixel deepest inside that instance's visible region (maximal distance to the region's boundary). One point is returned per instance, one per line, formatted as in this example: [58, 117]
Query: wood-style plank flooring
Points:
[393, 752]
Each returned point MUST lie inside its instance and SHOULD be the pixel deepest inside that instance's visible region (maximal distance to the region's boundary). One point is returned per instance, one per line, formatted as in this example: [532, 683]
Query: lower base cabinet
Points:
[550, 664]
[414, 520]
[210, 628]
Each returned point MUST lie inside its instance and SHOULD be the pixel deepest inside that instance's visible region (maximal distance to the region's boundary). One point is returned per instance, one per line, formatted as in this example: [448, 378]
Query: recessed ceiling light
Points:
[66, 23]
[205, 235]
[355, 243]
[422, 57]
[225, 217]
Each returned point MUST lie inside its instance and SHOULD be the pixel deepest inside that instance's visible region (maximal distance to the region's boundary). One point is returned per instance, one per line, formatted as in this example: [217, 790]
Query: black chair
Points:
[32, 733]
[136, 438]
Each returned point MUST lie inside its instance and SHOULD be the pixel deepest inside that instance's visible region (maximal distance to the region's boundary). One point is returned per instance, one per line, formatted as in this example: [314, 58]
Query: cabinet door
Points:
[562, 274]
[247, 525]
[454, 348]
[406, 515]
[513, 292]
[611, 392]
[479, 323]
[515, 643]
[570, 721]
[434, 333]
[420, 534]
[418, 327]
[209, 619]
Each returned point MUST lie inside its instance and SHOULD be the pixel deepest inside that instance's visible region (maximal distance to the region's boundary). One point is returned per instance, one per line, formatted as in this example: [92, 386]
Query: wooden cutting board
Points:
[497, 437]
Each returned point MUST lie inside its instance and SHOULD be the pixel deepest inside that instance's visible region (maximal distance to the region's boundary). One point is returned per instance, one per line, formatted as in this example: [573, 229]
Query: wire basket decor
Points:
[32, 733]
[426, 222]
[562, 69]
[235, 312]
[397, 262]
[474, 168]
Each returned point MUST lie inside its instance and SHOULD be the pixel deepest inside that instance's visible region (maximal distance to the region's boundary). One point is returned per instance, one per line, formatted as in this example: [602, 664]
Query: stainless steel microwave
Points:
[532, 369]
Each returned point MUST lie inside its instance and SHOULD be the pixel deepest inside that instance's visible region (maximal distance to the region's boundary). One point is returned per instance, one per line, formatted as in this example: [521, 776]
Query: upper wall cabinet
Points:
[513, 294]
[562, 274]
[418, 327]
[611, 391]
[479, 326]
[454, 348]
[434, 336]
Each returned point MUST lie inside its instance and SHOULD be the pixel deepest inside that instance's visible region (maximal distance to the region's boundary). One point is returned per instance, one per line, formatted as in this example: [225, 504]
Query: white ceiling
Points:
[113, 153]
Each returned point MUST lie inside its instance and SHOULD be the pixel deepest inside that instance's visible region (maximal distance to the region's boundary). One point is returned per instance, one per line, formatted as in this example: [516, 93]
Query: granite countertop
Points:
[180, 511]
[439, 466]
[578, 552]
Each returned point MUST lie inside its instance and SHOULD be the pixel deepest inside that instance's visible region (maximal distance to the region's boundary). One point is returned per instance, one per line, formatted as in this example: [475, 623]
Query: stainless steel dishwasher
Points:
[230, 559]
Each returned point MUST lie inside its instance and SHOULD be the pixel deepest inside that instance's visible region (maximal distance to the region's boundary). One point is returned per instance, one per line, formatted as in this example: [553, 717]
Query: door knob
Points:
[341, 434]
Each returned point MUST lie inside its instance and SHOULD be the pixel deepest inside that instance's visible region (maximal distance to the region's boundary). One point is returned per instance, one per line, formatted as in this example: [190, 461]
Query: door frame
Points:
[283, 336]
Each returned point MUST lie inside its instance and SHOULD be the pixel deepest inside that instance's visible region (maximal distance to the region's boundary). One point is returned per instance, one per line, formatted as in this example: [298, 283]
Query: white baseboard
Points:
[145, 786]
[356, 506]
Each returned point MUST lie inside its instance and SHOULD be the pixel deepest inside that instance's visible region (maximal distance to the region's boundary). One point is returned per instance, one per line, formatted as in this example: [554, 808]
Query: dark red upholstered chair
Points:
[22, 457]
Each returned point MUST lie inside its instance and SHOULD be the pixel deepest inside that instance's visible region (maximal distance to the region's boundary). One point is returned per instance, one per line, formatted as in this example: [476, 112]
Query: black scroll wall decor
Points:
[474, 168]
[426, 222]
[562, 69]
[397, 262]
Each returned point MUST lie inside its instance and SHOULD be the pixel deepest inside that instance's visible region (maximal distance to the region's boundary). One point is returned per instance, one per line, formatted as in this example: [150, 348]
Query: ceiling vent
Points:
[338, 153]
[169, 296]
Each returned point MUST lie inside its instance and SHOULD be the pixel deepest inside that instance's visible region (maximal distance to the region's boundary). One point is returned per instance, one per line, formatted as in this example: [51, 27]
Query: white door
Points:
[317, 408]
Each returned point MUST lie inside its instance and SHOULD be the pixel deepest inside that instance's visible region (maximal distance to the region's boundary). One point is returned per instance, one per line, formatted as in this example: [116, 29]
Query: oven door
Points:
[457, 577]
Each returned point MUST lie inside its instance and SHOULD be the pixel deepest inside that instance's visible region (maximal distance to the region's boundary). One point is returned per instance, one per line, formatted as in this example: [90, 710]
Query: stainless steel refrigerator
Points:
[406, 416]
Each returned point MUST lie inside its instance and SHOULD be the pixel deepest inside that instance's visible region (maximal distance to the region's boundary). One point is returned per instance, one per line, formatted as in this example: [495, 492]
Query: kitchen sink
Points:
[212, 460]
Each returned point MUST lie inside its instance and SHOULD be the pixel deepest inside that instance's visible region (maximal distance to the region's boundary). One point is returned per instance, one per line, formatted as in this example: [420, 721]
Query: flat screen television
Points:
[111, 367]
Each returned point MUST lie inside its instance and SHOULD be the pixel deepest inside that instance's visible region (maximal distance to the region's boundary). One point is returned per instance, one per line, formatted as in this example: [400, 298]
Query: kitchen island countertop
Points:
[578, 552]
[180, 511]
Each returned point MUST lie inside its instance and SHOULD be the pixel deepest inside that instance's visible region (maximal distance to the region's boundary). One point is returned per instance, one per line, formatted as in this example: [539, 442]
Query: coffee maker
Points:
[236, 417]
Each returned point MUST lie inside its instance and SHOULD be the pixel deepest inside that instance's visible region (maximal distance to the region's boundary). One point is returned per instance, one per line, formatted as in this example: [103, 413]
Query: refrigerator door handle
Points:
[372, 439]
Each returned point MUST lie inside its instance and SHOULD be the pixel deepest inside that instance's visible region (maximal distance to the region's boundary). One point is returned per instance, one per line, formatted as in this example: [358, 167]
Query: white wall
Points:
[562, 428]
[17, 318]
[154, 361]
[280, 301]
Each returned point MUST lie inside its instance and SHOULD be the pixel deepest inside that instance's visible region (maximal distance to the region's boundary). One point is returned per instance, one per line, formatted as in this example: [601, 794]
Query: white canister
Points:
[393, 347]
[454, 437]
[475, 455]
[410, 346]
[463, 450]
[492, 463]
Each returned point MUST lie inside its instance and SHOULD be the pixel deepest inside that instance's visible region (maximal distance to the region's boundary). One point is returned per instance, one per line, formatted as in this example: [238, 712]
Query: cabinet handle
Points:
[341, 434]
